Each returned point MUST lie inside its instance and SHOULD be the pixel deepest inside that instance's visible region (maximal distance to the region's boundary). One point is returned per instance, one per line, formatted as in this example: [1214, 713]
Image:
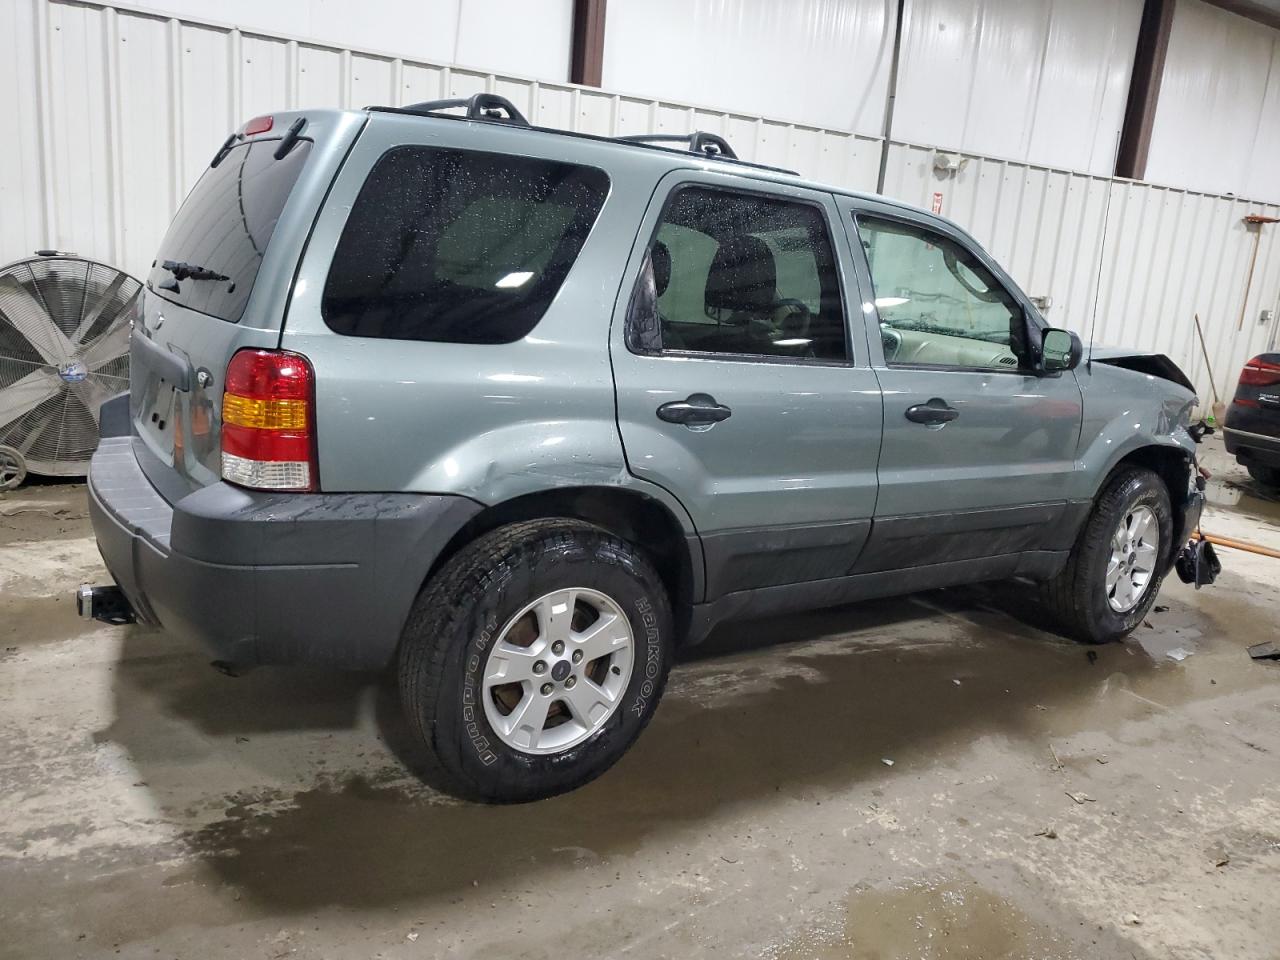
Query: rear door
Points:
[978, 449]
[742, 386]
[219, 283]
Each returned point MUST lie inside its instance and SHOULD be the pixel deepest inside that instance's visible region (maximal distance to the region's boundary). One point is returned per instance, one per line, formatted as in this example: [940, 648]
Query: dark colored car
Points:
[1252, 428]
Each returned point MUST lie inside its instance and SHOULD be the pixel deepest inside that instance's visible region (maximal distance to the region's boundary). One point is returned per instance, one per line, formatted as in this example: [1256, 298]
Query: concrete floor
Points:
[1044, 800]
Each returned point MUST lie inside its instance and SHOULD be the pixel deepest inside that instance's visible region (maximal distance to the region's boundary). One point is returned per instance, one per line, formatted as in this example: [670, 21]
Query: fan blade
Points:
[93, 393]
[26, 443]
[23, 396]
[104, 299]
[31, 319]
[112, 344]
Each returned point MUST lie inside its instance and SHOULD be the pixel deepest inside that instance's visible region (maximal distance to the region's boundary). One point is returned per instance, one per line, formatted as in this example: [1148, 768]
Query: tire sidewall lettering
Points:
[653, 655]
[476, 736]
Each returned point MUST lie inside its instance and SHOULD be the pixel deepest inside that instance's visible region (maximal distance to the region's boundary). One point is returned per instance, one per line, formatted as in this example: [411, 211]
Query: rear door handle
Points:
[936, 412]
[699, 410]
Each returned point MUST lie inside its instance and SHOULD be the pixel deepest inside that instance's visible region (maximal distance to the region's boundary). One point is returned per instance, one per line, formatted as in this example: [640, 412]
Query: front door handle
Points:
[699, 410]
[934, 413]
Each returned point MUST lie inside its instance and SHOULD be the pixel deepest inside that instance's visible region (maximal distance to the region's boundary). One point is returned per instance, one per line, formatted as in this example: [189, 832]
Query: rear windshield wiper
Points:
[182, 270]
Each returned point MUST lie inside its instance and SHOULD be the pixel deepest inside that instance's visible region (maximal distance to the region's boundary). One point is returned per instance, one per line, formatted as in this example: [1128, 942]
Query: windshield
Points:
[209, 259]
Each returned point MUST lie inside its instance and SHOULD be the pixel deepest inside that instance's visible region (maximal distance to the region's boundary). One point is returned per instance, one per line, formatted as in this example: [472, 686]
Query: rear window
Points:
[222, 230]
[459, 246]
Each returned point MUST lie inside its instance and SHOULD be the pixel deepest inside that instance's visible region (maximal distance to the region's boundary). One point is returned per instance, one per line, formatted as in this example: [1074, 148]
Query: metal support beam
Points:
[1144, 88]
[1266, 12]
[586, 62]
[891, 98]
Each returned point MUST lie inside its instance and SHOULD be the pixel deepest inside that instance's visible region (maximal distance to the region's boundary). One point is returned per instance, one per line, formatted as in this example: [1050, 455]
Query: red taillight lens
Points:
[1260, 373]
[257, 125]
[268, 421]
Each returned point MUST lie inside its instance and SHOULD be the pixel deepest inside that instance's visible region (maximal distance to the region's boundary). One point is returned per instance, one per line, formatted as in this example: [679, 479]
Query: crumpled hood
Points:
[1141, 361]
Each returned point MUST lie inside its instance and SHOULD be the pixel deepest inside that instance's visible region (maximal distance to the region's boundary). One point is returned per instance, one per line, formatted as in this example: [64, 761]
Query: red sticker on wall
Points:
[937, 203]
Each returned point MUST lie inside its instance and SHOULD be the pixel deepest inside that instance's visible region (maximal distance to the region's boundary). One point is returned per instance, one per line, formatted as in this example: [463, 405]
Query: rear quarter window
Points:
[459, 246]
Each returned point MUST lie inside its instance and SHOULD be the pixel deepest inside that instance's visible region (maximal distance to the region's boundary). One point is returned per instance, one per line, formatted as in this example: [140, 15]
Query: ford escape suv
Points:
[520, 411]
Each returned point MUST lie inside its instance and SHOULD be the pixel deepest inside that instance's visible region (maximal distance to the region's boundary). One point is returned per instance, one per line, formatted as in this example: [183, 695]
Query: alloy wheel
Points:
[557, 670]
[1135, 550]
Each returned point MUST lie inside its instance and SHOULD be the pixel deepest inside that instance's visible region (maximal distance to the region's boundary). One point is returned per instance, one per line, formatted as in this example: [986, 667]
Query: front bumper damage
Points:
[1197, 562]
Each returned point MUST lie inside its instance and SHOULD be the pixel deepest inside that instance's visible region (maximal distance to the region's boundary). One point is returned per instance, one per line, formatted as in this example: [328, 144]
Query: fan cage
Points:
[64, 351]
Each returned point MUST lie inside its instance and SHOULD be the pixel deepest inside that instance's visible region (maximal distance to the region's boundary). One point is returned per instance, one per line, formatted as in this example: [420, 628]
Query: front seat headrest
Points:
[660, 257]
[743, 276]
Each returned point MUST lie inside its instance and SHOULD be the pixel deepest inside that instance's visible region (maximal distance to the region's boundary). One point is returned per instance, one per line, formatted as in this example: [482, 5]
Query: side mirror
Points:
[1060, 350]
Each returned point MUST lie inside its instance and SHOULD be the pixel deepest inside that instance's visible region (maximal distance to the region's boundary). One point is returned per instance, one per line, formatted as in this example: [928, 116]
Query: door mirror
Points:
[1060, 350]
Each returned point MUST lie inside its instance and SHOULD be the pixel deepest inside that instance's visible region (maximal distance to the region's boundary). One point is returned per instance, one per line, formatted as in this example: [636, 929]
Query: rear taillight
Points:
[1260, 373]
[268, 421]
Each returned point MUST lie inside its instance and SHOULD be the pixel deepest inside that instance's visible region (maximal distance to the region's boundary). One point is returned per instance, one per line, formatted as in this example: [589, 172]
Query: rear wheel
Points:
[1267, 476]
[1118, 562]
[533, 660]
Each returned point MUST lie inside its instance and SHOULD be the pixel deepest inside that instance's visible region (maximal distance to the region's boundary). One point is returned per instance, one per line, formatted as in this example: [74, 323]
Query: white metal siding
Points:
[1168, 255]
[823, 62]
[529, 38]
[116, 113]
[1043, 81]
[1217, 124]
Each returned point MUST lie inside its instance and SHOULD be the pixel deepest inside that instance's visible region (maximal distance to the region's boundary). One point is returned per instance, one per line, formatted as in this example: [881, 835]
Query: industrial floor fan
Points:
[64, 349]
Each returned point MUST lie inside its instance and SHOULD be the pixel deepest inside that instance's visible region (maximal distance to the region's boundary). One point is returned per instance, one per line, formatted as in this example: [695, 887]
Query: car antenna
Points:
[1102, 251]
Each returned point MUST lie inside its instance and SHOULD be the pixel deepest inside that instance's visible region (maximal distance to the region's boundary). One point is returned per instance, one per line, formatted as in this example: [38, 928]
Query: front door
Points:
[742, 386]
[978, 449]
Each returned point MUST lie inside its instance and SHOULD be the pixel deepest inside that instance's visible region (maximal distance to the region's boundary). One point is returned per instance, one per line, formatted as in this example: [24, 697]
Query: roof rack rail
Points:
[491, 108]
[481, 106]
[708, 144]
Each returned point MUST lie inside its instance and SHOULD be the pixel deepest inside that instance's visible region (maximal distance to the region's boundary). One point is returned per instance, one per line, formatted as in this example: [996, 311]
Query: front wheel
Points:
[533, 659]
[1118, 562]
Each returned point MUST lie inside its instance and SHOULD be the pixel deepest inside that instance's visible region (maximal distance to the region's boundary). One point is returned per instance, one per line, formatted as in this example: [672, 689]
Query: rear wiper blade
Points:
[182, 270]
[187, 271]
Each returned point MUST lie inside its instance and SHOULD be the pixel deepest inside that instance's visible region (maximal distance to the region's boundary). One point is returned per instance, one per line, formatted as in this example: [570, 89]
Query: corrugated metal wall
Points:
[1217, 123]
[116, 113]
[528, 38]
[823, 62]
[1042, 81]
[1167, 254]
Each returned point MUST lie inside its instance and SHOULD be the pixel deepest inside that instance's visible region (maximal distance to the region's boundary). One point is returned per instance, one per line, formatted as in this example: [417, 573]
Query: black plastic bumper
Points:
[1250, 447]
[269, 578]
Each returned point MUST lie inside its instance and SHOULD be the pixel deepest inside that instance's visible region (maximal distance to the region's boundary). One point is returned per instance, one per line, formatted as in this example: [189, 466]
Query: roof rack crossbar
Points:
[481, 106]
[709, 144]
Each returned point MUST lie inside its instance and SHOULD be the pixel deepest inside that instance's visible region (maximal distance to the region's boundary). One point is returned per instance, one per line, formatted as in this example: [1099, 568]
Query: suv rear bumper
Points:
[269, 578]
[1249, 447]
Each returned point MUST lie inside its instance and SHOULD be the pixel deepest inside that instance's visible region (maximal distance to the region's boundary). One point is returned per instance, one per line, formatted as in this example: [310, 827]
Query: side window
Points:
[458, 246]
[739, 273]
[938, 305]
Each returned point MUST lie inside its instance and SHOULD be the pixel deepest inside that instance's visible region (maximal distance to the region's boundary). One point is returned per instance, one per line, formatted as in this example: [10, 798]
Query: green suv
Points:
[519, 412]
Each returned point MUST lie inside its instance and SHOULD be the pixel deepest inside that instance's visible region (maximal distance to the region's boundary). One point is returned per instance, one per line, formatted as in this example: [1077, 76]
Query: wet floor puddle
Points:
[1246, 498]
[952, 919]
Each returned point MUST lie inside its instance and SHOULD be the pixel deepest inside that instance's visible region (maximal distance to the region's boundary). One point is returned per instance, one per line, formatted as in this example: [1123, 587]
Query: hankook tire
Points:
[533, 659]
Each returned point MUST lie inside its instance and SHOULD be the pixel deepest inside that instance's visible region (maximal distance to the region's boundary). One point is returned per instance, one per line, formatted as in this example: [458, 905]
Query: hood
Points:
[1142, 361]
